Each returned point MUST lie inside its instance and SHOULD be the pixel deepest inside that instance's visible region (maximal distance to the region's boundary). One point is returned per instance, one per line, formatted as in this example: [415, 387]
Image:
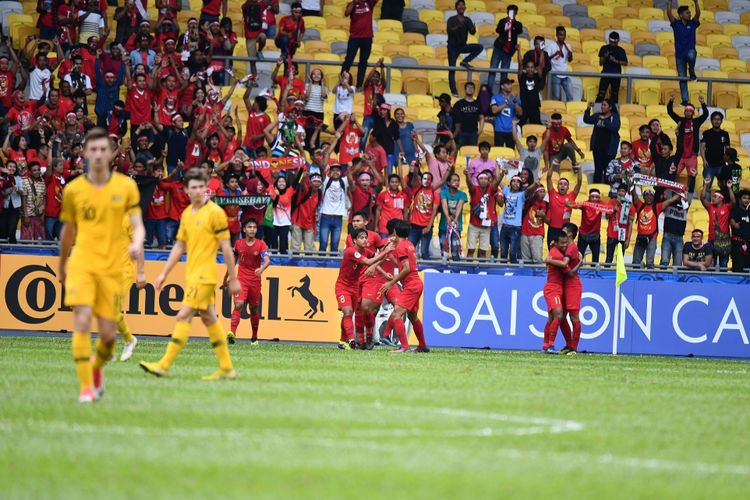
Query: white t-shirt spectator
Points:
[90, 26]
[39, 80]
[335, 196]
[344, 101]
[558, 55]
[83, 82]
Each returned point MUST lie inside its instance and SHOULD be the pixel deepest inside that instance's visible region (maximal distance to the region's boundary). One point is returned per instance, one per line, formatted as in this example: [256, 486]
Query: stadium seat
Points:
[438, 82]
[660, 26]
[574, 9]
[334, 35]
[422, 4]
[725, 53]
[420, 51]
[412, 39]
[649, 13]
[576, 107]
[416, 26]
[387, 38]
[550, 106]
[732, 65]
[388, 25]
[395, 50]
[431, 16]
[652, 62]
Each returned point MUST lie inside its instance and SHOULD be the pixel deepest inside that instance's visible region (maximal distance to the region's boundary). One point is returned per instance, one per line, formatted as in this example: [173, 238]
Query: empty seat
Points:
[482, 18]
[416, 27]
[410, 15]
[739, 5]
[649, 13]
[422, 4]
[436, 40]
[310, 34]
[726, 17]
[389, 25]
[572, 10]
[431, 15]
[339, 47]
[704, 63]
[647, 49]
[734, 29]
[395, 100]
[659, 26]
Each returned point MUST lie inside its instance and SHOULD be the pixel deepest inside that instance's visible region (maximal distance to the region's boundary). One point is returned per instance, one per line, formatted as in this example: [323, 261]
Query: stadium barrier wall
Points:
[463, 306]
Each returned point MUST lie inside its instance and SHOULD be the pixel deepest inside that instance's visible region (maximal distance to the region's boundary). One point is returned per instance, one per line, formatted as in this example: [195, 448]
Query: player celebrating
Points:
[203, 229]
[93, 207]
[252, 259]
[556, 262]
[347, 288]
[373, 280]
[362, 322]
[572, 291]
[131, 271]
[408, 301]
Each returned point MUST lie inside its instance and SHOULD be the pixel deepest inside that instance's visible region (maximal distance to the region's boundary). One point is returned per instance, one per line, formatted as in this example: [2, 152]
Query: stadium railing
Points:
[45, 247]
[629, 78]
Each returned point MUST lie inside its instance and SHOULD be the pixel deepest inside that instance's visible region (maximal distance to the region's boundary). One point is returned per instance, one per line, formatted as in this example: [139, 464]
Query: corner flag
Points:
[621, 275]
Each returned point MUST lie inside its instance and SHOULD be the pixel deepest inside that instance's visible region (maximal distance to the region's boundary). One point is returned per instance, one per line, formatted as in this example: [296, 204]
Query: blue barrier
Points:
[666, 318]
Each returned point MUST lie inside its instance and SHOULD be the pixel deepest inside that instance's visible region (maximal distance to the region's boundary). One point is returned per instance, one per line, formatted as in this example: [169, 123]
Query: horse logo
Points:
[316, 305]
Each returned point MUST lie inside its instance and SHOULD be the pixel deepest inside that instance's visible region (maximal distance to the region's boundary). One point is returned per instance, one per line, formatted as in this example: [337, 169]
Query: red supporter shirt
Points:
[139, 105]
[369, 91]
[555, 275]
[488, 213]
[557, 139]
[648, 218]
[193, 153]
[232, 211]
[256, 212]
[642, 153]
[405, 251]
[249, 258]
[687, 140]
[303, 215]
[179, 199]
[168, 101]
[614, 217]
[298, 86]
[352, 267]
[350, 138]
[55, 184]
[256, 123]
[533, 225]
[288, 25]
[423, 202]
[7, 84]
[559, 214]
[211, 7]
[591, 221]
[723, 213]
[391, 207]
[157, 208]
[361, 19]
[362, 200]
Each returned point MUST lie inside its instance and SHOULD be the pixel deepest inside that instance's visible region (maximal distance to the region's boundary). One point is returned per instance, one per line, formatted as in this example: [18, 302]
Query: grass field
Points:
[312, 421]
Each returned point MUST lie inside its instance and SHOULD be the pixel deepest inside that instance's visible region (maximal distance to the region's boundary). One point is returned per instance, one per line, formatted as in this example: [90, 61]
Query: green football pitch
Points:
[311, 421]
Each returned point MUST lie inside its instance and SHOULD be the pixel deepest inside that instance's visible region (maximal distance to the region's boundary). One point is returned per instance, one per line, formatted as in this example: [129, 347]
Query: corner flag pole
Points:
[621, 275]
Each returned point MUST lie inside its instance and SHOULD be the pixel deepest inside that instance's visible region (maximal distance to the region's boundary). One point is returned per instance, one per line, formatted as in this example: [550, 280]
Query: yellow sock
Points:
[82, 358]
[219, 343]
[179, 338]
[103, 353]
[122, 329]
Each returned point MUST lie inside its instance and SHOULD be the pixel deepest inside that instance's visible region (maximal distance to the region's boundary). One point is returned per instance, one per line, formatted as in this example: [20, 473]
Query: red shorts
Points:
[690, 163]
[553, 294]
[347, 297]
[572, 295]
[371, 291]
[409, 297]
[250, 293]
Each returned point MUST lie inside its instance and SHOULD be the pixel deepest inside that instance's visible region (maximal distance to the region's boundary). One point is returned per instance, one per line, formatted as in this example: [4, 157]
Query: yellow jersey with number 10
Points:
[97, 212]
[201, 230]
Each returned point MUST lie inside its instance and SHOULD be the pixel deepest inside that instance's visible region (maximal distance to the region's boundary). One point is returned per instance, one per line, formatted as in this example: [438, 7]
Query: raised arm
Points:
[670, 14]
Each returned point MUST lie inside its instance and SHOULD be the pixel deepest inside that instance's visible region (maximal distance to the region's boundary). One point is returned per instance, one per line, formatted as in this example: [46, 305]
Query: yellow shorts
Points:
[199, 297]
[103, 293]
[125, 285]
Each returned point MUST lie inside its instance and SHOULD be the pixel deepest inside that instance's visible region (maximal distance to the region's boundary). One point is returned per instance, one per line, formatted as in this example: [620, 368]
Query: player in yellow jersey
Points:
[203, 229]
[93, 207]
[131, 272]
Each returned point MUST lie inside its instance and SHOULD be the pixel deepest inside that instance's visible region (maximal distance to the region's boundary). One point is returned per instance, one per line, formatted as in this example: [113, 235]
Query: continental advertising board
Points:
[297, 303]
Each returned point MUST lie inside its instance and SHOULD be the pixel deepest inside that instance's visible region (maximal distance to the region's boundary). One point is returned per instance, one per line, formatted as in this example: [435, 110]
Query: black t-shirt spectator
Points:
[536, 58]
[529, 90]
[698, 254]
[716, 142]
[731, 172]
[662, 166]
[742, 216]
[457, 39]
[386, 134]
[675, 216]
[467, 114]
[618, 52]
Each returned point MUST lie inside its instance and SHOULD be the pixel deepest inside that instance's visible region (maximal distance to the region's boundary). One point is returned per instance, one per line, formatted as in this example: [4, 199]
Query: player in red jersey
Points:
[353, 264]
[408, 301]
[572, 291]
[252, 258]
[556, 262]
[373, 280]
[362, 323]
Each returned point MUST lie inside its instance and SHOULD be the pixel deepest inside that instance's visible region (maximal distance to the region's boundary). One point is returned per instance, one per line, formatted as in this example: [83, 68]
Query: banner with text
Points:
[280, 163]
[297, 303]
[509, 312]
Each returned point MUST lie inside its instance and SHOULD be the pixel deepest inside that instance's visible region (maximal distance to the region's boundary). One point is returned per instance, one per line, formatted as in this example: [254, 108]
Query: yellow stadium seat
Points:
[425, 114]
[335, 11]
[387, 38]
[498, 152]
[531, 129]
[736, 114]
[550, 106]
[420, 51]
[725, 95]
[591, 47]
[725, 53]
[609, 23]
[649, 13]
[731, 29]
[600, 11]
[396, 81]
[627, 13]
[664, 37]
[316, 22]
[412, 39]
[486, 30]
[337, 23]
[719, 40]
[334, 35]
[715, 4]
[444, 4]
[22, 32]
[415, 81]
[633, 24]
[465, 151]
[394, 50]
[630, 110]
[438, 82]
[389, 25]
[703, 51]
[315, 46]
[732, 65]
[549, 9]
[526, 7]
[576, 107]
[420, 100]
[711, 28]
[651, 62]
[437, 27]
[573, 34]
[431, 16]
[583, 134]
[534, 20]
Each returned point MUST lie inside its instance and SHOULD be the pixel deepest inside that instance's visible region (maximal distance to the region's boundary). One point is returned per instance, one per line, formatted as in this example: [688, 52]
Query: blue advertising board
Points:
[652, 317]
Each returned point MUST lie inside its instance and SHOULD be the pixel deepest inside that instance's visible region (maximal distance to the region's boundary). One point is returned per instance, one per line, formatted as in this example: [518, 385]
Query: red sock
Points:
[388, 328]
[236, 315]
[419, 332]
[254, 321]
[567, 334]
[545, 344]
[347, 328]
[576, 335]
[553, 327]
[359, 325]
[369, 325]
[398, 325]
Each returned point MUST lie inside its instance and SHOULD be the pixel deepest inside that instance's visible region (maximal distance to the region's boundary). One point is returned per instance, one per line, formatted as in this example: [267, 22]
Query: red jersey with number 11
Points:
[405, 251]
[555, 275]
